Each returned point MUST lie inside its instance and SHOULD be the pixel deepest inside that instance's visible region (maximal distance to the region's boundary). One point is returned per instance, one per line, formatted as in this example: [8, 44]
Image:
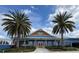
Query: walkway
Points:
[41, 50]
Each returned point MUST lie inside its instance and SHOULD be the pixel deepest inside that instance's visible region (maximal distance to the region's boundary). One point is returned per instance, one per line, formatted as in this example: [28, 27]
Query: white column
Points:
[54, 42]
[45, 43]
[24, 44]
[35, 43]
[2, 42]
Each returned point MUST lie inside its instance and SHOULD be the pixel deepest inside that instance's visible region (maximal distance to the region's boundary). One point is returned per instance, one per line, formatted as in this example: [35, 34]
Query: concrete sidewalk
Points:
[41, 50]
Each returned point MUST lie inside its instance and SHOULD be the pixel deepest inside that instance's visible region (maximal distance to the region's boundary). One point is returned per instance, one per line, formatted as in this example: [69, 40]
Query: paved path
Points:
[44, 50]
[41, 50]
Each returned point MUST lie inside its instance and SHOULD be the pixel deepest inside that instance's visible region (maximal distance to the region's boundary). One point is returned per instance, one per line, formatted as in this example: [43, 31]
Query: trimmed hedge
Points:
[59, 48]
[21, 49]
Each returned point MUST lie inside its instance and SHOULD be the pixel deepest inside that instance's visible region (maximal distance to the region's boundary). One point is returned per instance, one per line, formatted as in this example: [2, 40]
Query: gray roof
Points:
[41, 38]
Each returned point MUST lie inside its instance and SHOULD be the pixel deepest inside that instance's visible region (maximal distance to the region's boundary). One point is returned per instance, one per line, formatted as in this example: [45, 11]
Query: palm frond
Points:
[17, 23]
[63, 24]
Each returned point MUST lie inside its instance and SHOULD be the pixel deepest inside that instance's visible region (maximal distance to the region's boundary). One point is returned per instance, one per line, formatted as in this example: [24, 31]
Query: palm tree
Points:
[62, 24]
[16, 24]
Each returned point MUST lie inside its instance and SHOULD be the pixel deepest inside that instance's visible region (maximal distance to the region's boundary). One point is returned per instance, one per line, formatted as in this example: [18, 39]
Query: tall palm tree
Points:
[16, 24]
[62, 24]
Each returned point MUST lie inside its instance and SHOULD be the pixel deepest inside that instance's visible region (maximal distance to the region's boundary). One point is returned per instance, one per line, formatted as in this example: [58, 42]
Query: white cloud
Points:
[32, 7]
[75, 12]
[33, 30]
[74, 34]
[3, 34]
[27, 11]
[50, 17]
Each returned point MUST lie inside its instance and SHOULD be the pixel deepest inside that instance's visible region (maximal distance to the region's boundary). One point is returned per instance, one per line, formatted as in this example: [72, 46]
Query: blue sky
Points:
[41, 16]
[41, 13]
[38, 15]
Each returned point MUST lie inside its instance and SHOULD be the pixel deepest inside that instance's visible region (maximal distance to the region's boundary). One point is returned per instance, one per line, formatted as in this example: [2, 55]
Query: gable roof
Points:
[40, 32]
[43, 36]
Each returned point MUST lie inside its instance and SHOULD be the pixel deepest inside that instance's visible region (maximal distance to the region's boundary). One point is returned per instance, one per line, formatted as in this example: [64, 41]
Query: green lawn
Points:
[32, 48]
[21, 49]
[59, 48]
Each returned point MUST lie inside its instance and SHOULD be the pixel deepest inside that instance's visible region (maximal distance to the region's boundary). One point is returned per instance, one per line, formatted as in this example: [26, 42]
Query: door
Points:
[40, 44]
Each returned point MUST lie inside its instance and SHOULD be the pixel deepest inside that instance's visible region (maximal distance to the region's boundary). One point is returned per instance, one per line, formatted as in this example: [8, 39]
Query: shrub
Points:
[21, 49]
[59, 48]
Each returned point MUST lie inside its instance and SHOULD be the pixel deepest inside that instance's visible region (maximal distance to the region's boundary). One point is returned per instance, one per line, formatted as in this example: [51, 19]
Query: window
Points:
[40, 33]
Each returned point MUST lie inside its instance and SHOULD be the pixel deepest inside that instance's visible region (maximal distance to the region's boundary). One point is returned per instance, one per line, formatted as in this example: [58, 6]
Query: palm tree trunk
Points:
[62, 43]
[18, 38]
[17, 45]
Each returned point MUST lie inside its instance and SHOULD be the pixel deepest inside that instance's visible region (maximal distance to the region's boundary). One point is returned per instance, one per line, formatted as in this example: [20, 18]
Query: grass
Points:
[32, 48]
[59, 48]
[21, 49]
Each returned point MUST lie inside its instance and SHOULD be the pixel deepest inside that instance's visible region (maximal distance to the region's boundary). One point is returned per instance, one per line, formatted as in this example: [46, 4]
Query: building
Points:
[40, 38]
[71, 42]
[4, 41]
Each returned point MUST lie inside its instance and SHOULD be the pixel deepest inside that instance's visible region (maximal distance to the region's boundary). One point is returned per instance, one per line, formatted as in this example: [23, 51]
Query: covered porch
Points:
[40, 41]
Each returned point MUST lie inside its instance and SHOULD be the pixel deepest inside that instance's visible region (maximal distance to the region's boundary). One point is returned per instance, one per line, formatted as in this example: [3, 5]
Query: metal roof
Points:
[41, 38]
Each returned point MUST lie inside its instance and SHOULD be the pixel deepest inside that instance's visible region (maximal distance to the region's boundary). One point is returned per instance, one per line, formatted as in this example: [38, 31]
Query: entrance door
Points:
[40, 44]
